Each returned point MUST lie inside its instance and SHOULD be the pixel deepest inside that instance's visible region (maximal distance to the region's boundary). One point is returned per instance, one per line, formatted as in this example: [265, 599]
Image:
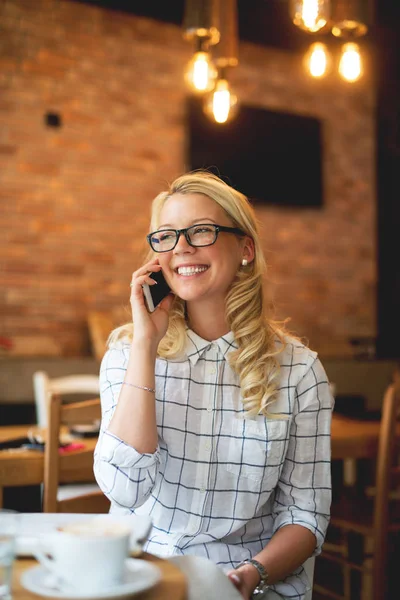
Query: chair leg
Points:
[346, 567]
[366, 582]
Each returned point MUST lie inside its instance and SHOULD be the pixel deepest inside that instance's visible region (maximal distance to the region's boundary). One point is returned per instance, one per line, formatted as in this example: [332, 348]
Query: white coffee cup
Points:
[86, 556]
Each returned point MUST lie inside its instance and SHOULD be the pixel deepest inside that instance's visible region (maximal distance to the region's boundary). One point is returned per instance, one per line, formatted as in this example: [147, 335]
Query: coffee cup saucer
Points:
[139, 575]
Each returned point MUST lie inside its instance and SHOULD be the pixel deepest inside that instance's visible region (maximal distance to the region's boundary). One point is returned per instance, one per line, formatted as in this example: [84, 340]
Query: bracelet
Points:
[140, 387]
[262, 571]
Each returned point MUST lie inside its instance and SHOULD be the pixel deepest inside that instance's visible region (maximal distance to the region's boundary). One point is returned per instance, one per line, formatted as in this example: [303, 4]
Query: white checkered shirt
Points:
[219, 486]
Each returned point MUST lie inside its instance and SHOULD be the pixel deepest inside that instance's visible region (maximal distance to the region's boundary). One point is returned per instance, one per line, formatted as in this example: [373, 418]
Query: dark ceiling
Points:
[264, 22]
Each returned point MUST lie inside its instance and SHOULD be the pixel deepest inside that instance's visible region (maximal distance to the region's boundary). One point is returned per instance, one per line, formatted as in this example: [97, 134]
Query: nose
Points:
[182, 245]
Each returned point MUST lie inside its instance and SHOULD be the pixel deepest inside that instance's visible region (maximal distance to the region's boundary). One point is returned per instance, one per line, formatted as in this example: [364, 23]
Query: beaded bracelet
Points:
[140, 387]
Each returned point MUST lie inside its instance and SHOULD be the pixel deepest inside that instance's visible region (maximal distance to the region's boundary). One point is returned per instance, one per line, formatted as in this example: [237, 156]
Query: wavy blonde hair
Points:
[248, 313]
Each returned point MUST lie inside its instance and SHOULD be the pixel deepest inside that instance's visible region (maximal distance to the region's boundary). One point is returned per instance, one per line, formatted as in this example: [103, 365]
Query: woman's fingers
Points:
[235, 578]
[138, 281]
[148, 268]
[167, 303]
[142, 275]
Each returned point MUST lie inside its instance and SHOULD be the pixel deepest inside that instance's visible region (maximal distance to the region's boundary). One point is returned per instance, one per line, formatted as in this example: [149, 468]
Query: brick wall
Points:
[75, 200]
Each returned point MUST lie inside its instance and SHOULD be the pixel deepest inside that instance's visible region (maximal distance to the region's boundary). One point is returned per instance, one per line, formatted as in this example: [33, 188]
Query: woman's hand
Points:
[148, 326]
[245, 579]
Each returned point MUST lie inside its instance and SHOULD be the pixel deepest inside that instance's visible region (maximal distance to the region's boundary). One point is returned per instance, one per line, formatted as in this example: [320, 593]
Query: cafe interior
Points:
[293, 102]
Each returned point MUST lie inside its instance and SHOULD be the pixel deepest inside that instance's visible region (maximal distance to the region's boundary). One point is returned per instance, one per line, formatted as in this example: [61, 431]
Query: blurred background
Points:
[96, 117]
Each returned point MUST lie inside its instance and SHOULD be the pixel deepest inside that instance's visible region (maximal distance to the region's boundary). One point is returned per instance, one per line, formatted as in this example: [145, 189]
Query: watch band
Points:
[262, 571]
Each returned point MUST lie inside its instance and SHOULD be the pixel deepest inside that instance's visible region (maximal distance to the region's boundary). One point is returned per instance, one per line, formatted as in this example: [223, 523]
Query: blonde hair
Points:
[256, 334]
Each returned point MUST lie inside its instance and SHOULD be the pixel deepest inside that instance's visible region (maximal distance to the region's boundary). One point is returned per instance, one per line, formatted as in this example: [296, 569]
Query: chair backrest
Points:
[100, 326]
[73, 467]
[387, 476]
[44, 387]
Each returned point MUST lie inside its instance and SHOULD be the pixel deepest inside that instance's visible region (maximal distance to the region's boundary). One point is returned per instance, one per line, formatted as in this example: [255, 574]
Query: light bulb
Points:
[317, 59]
[200, 72]
[310, 15]
[350, 67]
[222, 102]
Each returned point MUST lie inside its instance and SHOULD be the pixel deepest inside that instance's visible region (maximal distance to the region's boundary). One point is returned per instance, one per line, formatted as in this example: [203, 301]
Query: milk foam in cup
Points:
[86, 556]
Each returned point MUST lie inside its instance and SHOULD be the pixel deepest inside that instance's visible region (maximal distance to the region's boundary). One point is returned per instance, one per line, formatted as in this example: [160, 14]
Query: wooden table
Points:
[171, 587]
[352, 439]
[355, 438]
[26, 467]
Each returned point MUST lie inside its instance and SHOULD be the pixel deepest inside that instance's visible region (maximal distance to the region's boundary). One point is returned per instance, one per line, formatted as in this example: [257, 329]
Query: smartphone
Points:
[154, 294]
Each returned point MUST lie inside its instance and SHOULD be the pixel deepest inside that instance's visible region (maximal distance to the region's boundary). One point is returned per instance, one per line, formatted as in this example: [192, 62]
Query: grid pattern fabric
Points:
[219, 485]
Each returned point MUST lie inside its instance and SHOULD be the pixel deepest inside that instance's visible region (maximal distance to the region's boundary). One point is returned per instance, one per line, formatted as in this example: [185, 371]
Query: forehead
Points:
[191, 207]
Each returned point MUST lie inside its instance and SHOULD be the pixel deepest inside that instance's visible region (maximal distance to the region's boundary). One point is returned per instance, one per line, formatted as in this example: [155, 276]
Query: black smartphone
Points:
[154, 294]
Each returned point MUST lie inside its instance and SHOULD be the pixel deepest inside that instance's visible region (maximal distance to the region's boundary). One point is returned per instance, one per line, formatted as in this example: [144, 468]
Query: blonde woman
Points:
[216, 422]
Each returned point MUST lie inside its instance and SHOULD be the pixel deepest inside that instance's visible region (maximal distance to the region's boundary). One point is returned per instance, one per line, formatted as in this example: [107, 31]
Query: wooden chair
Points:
[44, 387]
[371, 519]
[100, 326]
[52, 413]
[16, 473]
[76, 466]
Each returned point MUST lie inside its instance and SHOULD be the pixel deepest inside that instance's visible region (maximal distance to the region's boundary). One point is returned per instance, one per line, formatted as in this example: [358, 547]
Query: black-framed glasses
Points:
[203, 234]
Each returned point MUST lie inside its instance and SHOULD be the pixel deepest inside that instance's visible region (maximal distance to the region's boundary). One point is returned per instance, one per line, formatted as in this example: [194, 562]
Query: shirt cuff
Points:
[115, 451]
[317, 524]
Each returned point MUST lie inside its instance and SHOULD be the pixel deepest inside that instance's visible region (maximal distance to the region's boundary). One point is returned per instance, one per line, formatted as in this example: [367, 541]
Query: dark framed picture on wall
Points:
[273, 157]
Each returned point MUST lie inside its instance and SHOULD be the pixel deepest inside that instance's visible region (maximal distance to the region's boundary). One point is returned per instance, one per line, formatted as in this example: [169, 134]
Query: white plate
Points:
[33, 525]
[139, 576]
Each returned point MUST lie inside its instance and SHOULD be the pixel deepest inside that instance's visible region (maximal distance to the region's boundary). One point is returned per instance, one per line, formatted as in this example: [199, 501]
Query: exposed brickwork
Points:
[75, 201]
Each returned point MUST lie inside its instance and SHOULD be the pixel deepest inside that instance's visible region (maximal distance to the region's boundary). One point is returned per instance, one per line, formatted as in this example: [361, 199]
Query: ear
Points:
[248, 249]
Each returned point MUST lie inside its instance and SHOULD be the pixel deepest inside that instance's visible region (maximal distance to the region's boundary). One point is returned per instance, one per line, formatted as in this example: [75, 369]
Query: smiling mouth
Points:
[187, 271]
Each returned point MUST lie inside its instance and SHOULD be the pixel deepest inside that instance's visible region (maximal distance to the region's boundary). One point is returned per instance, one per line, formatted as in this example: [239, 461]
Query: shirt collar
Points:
[196, 346]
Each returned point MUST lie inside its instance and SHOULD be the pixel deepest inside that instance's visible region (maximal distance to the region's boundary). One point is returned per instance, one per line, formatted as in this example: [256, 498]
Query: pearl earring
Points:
[244, 262]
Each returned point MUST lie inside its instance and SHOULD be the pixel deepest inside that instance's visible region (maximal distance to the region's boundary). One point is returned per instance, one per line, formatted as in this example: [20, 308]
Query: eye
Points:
[165, 236]
[200, 229]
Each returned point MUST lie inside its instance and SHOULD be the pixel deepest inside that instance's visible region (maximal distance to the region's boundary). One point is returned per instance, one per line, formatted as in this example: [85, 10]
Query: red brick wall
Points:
[75, 200]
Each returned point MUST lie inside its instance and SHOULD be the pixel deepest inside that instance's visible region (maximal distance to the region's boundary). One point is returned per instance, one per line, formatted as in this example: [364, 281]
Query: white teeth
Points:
[191, 270]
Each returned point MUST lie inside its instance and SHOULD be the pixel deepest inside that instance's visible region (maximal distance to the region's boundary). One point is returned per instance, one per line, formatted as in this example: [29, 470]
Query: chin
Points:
[188, 296]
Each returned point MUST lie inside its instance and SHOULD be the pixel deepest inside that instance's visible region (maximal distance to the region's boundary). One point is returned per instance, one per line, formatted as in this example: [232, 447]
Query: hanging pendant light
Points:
[351, 18]
[226, 51]
[310, 15]
[317, 60]
[221, 103]
[350, 65]
[201, 26]
[200, 72]
[201, 20]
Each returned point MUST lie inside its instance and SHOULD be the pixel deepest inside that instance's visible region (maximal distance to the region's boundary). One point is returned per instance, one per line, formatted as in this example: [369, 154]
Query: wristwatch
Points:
[263, 585]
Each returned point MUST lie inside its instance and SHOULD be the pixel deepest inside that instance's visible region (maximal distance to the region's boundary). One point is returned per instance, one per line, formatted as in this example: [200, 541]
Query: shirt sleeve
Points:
[126, 476]
[303, 495]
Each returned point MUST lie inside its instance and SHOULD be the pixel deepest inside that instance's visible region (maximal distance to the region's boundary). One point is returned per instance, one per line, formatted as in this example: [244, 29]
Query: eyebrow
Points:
[200, 220]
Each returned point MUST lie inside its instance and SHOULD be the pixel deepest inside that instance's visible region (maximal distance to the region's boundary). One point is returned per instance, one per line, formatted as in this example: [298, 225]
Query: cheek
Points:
[165, 265]
[164, 260]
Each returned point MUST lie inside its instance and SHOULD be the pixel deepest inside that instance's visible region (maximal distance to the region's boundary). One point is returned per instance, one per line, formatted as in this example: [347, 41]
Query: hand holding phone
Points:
[154, 294]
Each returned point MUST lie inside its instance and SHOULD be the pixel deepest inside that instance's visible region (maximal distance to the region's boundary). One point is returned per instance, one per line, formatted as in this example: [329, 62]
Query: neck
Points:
[208, 321]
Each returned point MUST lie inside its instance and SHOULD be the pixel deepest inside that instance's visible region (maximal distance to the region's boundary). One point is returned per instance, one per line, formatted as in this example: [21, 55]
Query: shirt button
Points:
[212, 371]
[209, 409]
[202, 490]
[207, 445]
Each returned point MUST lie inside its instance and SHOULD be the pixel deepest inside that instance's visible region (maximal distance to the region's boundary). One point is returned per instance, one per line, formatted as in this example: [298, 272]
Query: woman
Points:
[215, 421]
